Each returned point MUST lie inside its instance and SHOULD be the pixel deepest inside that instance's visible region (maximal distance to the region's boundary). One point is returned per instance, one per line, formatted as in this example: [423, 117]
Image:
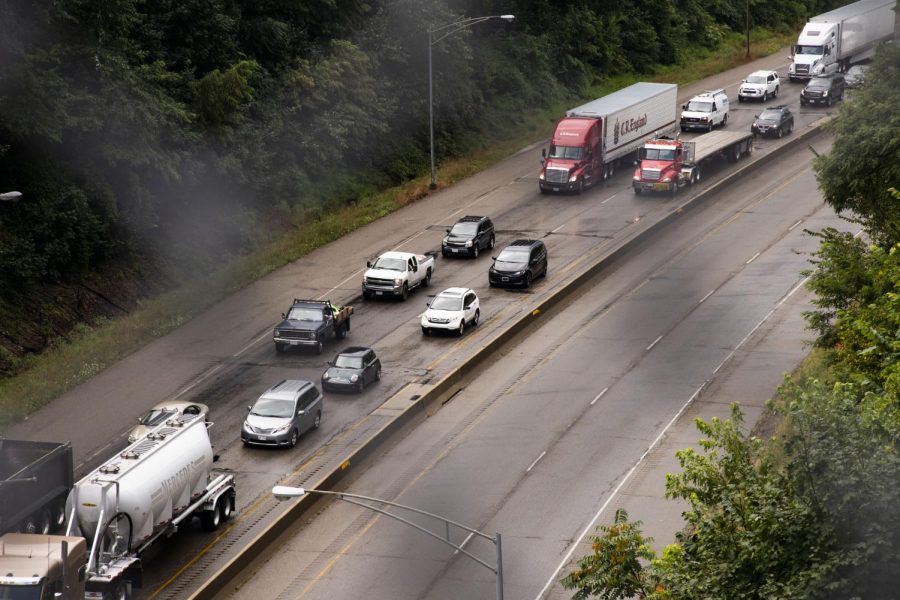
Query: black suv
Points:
[775, 120]
[468, 236]
[520, 263]
[826, 89]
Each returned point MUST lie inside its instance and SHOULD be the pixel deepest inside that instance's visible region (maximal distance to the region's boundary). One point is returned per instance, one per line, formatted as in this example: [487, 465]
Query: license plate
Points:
[378, 293]
[262, 438]
[454, 249]
[294, 343]
[660, 187]
[555, 189]
[504, 279]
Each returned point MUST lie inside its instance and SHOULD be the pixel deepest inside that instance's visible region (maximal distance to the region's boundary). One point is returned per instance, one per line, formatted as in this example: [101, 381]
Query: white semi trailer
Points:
[830, 42]
[138, 496]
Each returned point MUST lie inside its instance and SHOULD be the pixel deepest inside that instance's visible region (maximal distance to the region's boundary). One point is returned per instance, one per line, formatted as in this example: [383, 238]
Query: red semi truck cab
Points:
[659, 167]
[574, 160]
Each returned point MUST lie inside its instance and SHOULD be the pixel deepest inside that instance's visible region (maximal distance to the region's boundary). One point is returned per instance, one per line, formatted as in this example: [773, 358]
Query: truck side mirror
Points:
[369, 263]
[283, 316]
[447, 230]
[249, 408]
[543, 153]
[684, 107]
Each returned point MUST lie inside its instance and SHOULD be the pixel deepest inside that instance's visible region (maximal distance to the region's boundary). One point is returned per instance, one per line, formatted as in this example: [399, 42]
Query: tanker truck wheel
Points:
[210, 519]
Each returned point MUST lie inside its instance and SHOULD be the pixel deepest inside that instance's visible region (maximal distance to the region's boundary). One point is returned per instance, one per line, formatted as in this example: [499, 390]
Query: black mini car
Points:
[351, 370]
[826, 89]
[775, 120]
[468, 237]
[520, 263]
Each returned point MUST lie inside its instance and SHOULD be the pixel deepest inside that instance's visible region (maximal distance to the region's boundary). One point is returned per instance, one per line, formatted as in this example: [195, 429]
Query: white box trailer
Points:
[831, 41]
[588, 142]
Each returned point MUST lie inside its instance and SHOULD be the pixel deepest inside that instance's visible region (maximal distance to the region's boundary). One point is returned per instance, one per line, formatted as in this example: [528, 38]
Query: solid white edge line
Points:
[598, 396]
[542, 455]
[791, 228]
[752, 258]
[624, 480]
[702, 300]
[656, 341]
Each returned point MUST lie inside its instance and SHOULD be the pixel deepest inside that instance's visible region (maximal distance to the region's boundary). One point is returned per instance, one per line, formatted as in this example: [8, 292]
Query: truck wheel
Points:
[39, 522]
[425, 331]
[776, 92]
[367, 295]
[59, 515]
[780, 133]
[359, 387]
[674, 191]
[709, 127]
[696, 174]
[637, 191]
[528, 280]
[210, 519]
[378, 373]
[427, 281]
[343, 330]
[226, 506]
[492, 242]
[580, 188]
[725, 120]
[279, 347]
[611, 169]
[319, 346]
[404, 293]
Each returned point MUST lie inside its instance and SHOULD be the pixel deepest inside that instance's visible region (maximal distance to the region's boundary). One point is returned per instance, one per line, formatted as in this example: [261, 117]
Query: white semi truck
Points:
[830, 42]
[135, 498]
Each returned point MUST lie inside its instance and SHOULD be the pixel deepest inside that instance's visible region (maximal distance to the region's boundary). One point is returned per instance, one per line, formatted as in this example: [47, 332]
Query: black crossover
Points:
[469, 236]
[519, 264]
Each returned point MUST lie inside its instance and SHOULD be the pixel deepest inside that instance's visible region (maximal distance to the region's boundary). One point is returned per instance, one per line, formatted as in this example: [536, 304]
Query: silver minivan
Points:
[282, 414]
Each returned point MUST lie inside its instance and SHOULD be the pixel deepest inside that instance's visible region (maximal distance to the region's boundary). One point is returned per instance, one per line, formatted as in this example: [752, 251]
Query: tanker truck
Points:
[140, 495]
[831, 41]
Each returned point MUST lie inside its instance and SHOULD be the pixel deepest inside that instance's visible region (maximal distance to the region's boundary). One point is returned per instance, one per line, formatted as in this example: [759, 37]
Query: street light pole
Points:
[283, 492]
[448, 29]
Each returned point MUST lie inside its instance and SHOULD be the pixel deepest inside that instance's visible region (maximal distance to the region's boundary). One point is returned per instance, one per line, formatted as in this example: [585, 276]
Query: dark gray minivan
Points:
[282, 414]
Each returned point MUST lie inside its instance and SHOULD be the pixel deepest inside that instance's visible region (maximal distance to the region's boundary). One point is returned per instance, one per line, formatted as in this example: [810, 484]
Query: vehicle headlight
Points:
[469, 244]
[326, 376]
[517, 273]
[278, 332]
[825, 93]
[445, 240]
[573, 177]
[398, 280]
[541, 176]
[248, 426]
[354, 378]
[283, 428]
[666, 179]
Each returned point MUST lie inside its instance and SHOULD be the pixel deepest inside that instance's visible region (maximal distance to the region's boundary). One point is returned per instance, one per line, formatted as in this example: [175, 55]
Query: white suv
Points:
[705, 111]
[759, 85]
[451, 310]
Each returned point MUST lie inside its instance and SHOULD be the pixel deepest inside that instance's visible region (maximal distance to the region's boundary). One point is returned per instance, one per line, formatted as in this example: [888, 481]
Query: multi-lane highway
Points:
[225, 357]
[536, 443]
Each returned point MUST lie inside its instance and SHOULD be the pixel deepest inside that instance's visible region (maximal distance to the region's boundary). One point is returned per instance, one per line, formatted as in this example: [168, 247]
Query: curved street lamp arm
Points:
[459, 26]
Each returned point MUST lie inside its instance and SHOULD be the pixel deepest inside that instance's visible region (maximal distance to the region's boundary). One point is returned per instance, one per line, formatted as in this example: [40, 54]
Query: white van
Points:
[705, 111]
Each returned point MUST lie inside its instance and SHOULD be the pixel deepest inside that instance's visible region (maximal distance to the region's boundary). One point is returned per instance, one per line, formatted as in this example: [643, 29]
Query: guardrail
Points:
[432, 395]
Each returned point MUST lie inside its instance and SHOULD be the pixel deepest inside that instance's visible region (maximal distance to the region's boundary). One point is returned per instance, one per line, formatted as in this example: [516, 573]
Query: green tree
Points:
[856, 176]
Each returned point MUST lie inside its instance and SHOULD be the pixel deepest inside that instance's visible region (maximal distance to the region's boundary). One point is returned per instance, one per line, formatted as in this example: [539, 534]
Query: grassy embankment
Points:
[89, 350]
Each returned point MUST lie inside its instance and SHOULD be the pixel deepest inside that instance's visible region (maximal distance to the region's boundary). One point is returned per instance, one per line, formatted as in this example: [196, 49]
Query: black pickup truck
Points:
[35, 479]
[310, 323]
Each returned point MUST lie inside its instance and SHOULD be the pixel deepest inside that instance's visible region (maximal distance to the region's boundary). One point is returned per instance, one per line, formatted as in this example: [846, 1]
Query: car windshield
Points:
[570, 152]
[770, 115]
[467, 228]
[659, 154]
[756, 79]
[446, 303]
[820, 81]
[348, 362]
[155, 417]
[700, 106]
[816, 50]
[390, 264]
[273, 407]
[514, 255]
[24, 592]
[303, 313]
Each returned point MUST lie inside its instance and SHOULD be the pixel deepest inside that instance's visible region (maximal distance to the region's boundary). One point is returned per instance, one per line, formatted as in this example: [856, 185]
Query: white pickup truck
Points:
[396, 273]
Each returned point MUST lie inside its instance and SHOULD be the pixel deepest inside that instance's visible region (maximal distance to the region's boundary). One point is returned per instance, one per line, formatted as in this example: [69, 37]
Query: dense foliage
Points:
[816, 512]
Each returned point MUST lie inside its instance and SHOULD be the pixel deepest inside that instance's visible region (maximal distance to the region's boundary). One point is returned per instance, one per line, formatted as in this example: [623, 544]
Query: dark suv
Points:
[468, 236]
[826, 89]
[775, 120]
[520, 263]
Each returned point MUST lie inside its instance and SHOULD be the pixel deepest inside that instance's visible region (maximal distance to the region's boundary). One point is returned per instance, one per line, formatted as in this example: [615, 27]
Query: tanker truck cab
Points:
[574, 160]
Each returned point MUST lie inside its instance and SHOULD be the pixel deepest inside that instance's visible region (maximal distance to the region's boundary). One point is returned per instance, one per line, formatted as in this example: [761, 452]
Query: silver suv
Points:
[282, 414]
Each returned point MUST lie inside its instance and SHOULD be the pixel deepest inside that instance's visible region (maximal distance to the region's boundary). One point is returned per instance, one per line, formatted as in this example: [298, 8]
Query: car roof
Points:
[287, 389]
[455, 292]
[762, 73]
[394, 254]
[780, 107]
[527, 243]
[179, 405]
[471, 219]
[354, 351]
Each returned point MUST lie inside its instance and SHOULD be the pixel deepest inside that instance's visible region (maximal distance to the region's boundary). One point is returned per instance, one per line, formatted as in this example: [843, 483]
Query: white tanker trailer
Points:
[143, 493]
